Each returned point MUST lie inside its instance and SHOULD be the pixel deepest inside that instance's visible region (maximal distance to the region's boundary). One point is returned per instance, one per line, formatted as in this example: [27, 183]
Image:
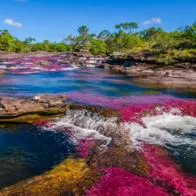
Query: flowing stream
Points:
[27, 150]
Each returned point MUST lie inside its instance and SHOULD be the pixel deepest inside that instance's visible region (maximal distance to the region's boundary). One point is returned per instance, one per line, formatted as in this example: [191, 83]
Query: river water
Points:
[26, 150]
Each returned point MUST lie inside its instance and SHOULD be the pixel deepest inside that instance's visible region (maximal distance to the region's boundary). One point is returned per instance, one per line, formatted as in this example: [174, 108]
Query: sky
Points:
[55, 19]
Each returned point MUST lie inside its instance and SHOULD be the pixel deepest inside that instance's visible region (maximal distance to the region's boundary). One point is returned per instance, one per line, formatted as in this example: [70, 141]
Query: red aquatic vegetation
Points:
[135, 113]
[32, 65]
[84, 147]
[166, 173]
[186, 107]
[41, 123]
[117, 181]
[164, 176]
[121, 102]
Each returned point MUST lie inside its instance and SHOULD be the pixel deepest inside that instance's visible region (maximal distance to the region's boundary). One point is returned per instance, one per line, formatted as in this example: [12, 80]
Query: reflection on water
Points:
[26, 151]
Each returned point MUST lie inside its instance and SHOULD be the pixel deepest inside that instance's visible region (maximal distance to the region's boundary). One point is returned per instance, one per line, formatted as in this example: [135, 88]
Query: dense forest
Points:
[166, 47]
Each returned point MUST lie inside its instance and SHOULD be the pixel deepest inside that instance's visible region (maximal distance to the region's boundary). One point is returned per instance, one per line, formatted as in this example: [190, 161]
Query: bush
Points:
[98, 47]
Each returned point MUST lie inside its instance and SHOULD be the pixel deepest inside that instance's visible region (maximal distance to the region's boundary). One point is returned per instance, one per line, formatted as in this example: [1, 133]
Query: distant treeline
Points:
[166, 47]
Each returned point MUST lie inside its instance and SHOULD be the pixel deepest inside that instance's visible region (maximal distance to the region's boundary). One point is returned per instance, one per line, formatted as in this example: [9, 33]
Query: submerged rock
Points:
[122, 158]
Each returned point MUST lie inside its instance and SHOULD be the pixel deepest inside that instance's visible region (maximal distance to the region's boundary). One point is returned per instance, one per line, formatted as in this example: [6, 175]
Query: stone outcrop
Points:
[147, 72]
[83, 60]
[43, 107]
[30, 109]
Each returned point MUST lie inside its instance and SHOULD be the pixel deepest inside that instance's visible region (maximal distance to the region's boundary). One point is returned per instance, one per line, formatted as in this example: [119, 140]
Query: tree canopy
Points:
[167, 47]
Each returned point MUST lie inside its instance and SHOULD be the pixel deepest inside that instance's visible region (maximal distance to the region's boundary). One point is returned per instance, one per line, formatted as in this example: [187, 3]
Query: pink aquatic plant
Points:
[84, 147]
[41, 123]
[33, 64]
[164, 172]
[135, 113]
[164, 177]
[117, 181]
[121, 102]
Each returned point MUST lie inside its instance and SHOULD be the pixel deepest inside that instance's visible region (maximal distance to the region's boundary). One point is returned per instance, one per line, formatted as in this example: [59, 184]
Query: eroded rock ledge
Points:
[148, 73]
[28, 110]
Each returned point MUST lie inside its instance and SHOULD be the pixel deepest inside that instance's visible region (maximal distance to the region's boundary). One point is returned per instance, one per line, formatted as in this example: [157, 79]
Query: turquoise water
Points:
[91, 81]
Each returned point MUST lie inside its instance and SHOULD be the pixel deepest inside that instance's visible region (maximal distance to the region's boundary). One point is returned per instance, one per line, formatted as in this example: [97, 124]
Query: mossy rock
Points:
[72, 177]
[122, 158]
[31, 117]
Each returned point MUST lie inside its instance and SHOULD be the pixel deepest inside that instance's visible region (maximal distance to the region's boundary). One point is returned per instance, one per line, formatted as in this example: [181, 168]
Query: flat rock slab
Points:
[161, 76]
[14, 106]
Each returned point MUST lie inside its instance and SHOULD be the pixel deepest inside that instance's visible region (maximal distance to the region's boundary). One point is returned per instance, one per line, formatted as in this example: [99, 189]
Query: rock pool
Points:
[26, 151]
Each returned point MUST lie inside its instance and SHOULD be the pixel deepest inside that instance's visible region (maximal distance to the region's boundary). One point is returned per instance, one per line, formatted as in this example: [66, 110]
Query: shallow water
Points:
[26, 151]
[89, 80]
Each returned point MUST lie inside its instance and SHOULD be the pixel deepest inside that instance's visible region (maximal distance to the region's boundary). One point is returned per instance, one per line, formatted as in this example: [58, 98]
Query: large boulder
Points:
[31, 109]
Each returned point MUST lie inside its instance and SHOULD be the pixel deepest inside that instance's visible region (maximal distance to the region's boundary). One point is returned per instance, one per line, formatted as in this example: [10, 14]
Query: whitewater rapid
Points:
[163, 129]
[82, 124]
[170, 128]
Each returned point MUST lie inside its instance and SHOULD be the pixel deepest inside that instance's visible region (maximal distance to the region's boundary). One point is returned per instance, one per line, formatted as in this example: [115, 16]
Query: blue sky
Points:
[55, 19]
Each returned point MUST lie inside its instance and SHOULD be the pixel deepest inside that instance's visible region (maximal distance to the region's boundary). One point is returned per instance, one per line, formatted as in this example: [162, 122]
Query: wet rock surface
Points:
[44, 62]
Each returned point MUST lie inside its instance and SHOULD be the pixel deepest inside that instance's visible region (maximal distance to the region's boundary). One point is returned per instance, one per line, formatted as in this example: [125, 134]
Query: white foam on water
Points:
[3, 67]
[84, 124]
[69, 68]
[163, 129]
[8, 62]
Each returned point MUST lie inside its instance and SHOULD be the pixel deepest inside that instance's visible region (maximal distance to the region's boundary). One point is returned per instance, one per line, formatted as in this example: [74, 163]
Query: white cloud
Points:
[12, 23]
[154, 21]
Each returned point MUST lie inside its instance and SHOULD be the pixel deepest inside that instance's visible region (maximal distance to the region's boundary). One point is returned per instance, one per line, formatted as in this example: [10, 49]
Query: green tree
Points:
[127, 27]
[29, 40]
[104, 35]
[7, 41]
[148, 33]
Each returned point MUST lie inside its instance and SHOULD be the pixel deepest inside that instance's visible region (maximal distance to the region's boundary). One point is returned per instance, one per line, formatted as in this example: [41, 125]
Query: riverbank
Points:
[158, 76]
[147, 72]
